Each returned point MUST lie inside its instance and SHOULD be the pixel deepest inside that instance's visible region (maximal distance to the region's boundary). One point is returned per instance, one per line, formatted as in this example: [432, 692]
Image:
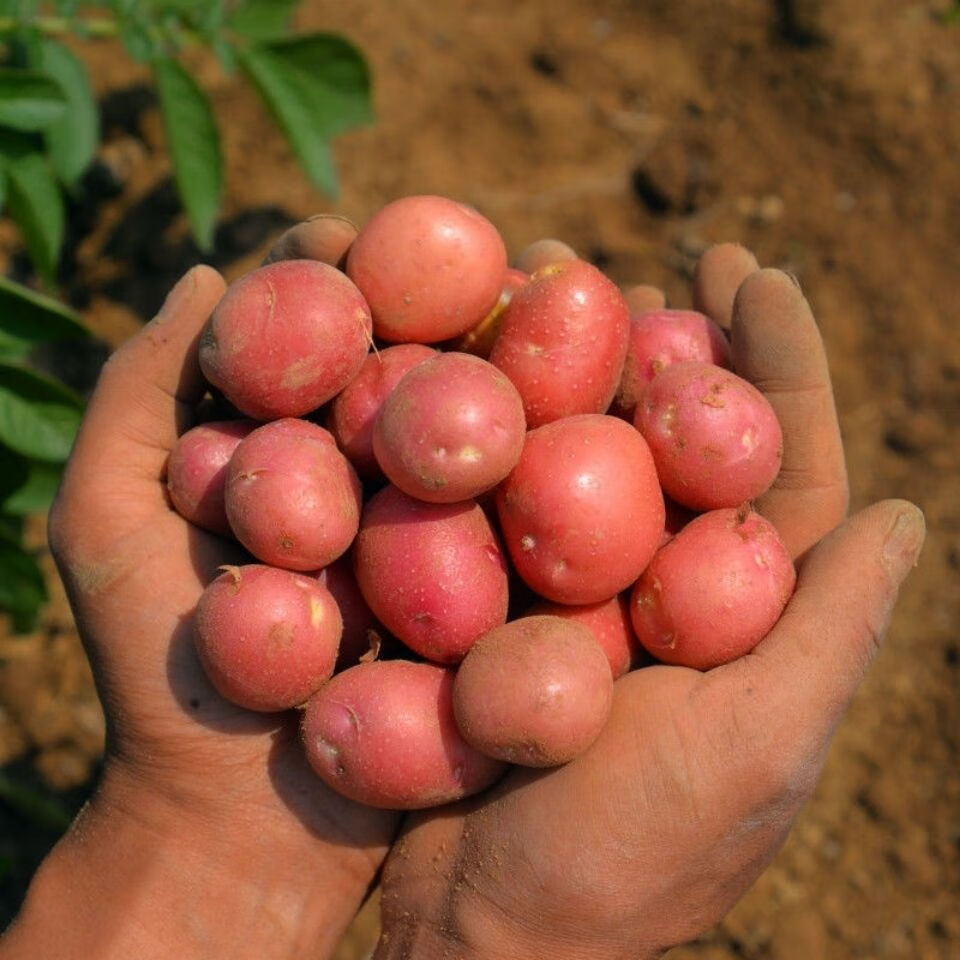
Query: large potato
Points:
[536, 691]
[384, 734]
[582, 512]
[433, 573]
[286, 338]
[563, 340]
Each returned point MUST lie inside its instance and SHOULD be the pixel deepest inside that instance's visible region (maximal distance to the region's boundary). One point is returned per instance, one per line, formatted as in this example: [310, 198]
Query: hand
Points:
[207, 813]
[651, 836]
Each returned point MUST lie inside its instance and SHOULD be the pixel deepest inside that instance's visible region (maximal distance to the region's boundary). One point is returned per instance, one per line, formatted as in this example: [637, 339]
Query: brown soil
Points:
[826, 138]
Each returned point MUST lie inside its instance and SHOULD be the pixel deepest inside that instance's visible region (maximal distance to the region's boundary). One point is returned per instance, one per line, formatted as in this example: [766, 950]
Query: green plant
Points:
[314, 85]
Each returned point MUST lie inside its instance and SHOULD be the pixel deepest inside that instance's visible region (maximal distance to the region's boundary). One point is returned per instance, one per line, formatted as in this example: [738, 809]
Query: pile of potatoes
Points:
[472, 499]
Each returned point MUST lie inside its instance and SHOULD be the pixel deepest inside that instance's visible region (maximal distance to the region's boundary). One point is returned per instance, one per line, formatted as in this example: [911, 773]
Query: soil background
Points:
[823, 135]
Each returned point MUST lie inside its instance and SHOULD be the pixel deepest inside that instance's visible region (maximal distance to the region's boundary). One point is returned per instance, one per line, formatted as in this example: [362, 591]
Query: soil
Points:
[823, 135]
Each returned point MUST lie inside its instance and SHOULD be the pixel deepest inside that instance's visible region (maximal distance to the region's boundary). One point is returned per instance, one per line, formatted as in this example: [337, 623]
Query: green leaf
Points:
[72, 139]
[194, 145]
[138, 41]
[29, 100]
[316, 86]
[27, 486]
[262, 19]
[38, 417]
[28, 318]
[36, 203]
[22, 590]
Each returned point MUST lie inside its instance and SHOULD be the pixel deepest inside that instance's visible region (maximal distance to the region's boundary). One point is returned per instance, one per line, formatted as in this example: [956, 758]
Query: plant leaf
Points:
[36, 488]
[262, 19]
[36, 203]
[316, 86]
[22, 590]
[29, 100]
[28, 318]
[38, 417]
[72, 139]
[194, 145]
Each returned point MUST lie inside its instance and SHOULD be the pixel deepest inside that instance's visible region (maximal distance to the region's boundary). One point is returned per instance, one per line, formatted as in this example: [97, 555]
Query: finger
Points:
[777, 347]
[718, 276]
[542, 253]
[326, 238]
[807, 669]
[642, 298]
[143, 401]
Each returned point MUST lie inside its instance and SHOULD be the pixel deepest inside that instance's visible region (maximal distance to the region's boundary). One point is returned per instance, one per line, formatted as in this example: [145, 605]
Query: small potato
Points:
[608, 621]
[452, 429]
[479, 341]
[714, 591]
[286, 338]
[359, 623]
[536, 691]
[659, 338]
[197, 471]
[292, 498]
[267, 638]
[354, 410]
[714, 436]
[582, 512]
[430, 268]
[383, 734]
[433, 573]
[563, 341]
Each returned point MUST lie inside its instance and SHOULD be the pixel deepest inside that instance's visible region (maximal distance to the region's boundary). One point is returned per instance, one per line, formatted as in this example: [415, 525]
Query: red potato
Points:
[714, 591]
[582, 512]
[432, 573]
[659, 338]
[354, 411]
[563, 342]
[452, 429]
[429, 267]
[292, 498]
[479, 341]
[714, 436]
[536, 691]
[360, 626]
[267, 638]
[286, 338]
[197, 471]
[608, 621]
[384, 734]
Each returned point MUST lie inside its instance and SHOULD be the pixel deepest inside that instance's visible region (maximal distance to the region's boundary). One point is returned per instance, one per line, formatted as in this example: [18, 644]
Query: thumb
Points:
[812, 662]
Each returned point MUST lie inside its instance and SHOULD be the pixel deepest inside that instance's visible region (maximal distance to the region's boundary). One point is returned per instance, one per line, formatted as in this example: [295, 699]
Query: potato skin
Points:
[292, 498]
[608, 621]
[714, 437]
[434, 574]
[358, 619]
[452, 429]
[384, 734]
[197, 471]
[659, 338]
[582, 512]
[536, 691]
[430, 268]
[267, 638]
[286, 338]
[355, 409]
[480, 340]
[714, 591]
[563, 341]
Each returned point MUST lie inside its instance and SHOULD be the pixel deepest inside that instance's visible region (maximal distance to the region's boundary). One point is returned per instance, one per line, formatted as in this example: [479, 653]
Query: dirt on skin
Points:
[823, 135]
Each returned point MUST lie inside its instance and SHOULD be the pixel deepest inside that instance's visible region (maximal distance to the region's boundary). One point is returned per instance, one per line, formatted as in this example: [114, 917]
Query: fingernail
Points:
[904, 542]
[331, 216]
[184, 288]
